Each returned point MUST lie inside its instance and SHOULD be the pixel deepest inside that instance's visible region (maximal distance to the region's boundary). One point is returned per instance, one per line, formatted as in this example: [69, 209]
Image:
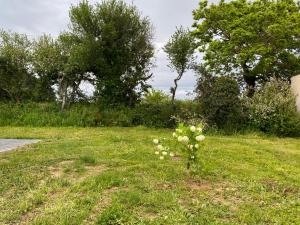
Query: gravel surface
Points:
[12, 144]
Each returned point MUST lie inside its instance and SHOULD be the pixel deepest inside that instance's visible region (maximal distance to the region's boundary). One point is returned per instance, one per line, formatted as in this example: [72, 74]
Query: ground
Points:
[112, 176]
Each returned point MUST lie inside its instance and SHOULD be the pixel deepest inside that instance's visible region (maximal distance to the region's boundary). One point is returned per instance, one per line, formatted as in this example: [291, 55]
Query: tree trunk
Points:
[250, 80]
[75, 92]
[63, 89]
[174, 89]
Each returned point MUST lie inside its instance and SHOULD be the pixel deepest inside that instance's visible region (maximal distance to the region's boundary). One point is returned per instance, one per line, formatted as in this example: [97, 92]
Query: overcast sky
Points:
[35, 17]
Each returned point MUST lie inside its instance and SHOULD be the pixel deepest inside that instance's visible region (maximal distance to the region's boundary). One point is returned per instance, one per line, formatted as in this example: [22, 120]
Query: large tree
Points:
[180, 51]
[16, 79]
[55, 62]
[115, 44]
[254, 40]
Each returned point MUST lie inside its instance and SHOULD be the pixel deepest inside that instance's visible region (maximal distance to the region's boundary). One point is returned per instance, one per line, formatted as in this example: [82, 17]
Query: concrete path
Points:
[11, 144]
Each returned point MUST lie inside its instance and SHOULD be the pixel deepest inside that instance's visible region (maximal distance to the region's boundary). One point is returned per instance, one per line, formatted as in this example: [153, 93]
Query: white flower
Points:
[156, 153]
[161, 158]
[199, 129]
[164, 153]
[200, 138]
[185, 139]
[179, 131]
[160, 147]
[196, 146]
[155, 141]
[172, 154]
[174, 135]
[193, 128]
[192, 157]
[180, 138]
[191, 147]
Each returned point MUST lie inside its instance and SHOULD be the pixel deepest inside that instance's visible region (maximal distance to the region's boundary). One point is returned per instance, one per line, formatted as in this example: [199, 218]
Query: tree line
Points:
[108, 44]
[111, 46]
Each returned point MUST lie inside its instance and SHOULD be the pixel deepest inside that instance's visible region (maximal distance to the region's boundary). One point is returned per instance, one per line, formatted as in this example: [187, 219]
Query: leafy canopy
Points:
[115, 44]
[253, 40]
[16, 80]
[180, 50]
[55, 62]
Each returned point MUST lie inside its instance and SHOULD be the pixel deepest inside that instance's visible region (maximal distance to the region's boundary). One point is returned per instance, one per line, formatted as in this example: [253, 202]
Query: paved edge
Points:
[16, 144]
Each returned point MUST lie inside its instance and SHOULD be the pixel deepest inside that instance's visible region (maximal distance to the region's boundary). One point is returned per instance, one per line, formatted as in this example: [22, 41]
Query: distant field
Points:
[111, 176]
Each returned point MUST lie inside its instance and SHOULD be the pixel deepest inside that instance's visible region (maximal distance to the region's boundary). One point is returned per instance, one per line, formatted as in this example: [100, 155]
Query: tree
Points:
[204, 82]
[16, 79]
[220, 103]
[180, 50]
[253, 40]
[115, 44]
[55, 63]
[45, 57]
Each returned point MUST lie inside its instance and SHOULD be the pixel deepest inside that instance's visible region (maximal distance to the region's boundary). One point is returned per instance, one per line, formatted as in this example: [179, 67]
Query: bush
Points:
[120, 116]
[156, 97]
[272, 110]
[221, 105]
[188, 139]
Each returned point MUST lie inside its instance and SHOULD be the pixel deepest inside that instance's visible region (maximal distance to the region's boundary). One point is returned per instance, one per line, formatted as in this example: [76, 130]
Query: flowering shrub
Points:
[162, 151]
[272, 109]
[189, 139]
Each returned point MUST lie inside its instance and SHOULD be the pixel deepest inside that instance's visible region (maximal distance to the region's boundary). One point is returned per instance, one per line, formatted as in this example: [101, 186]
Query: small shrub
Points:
[154, 115]
[156, 97]
[189, 139]
[120, 116]
[187, 112]
[273, 110]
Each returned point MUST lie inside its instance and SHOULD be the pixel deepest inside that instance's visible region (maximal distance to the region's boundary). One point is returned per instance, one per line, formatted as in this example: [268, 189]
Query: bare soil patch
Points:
[199, 185]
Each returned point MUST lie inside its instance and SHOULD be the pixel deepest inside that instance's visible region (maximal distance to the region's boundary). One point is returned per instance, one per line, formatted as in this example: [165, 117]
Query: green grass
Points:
[111, 176]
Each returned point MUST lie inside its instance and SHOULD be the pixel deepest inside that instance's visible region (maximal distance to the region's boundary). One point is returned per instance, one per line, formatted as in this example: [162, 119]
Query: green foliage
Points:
[159, 115]
[180, 50]
[117, 116]
[155, 115]
[47, 63]
[89, 115]
[254, 40]
[273, 110]
[155, 97]
[46, 114]
[16, 81]
[54, 61]
[115, 44]
[220, 103]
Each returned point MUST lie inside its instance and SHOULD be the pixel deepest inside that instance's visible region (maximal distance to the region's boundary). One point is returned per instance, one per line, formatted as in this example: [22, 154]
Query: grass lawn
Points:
[112, 176]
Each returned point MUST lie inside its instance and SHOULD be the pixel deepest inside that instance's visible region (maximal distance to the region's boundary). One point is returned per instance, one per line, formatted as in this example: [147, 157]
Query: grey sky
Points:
[36, 17]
